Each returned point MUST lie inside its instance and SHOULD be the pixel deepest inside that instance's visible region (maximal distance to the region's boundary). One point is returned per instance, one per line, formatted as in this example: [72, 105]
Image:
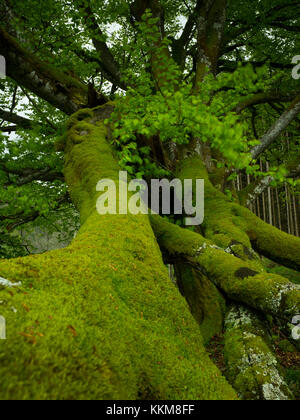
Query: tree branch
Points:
[61, 90]
[235, 277]
[211, 24]
[179, 46]
[28, 175]
[9, 129]
[262, 98]
[108, 63]
[16, 119]
[278, 127]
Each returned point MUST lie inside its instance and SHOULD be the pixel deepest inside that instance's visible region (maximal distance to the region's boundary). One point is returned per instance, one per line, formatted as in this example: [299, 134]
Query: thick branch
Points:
[271, 242]
[211, 23]
[43, 175]
[278, 127]
[108, 63]
[269, 293]
[262, 98]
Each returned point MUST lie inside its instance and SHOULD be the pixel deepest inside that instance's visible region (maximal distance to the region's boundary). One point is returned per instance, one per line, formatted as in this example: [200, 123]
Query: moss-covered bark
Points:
[100, 319]
[235, 228]
[252, 367]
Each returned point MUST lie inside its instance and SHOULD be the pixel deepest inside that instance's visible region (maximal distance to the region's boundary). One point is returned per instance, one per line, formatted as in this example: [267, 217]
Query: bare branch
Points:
[108, 63]
[211, 24]
[16, 119]
[263, 98]
[9, 129]
[28, 175]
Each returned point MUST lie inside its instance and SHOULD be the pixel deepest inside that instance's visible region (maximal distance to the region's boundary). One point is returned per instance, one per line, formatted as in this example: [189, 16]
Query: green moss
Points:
[101, 319]
[251, 366]
[226, 222]
[221, 224]
[206, 302]
[271, 242]
[267, 292]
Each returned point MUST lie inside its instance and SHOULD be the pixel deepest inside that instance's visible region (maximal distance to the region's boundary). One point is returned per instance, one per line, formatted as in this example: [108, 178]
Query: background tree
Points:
[192, 89]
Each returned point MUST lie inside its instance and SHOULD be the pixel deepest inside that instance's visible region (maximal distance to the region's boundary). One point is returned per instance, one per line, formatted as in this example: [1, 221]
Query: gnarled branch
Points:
[277, 128]
[61, 90]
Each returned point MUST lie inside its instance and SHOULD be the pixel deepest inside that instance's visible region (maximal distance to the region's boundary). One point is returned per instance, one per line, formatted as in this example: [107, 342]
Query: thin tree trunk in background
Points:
[291, 213]
[263, 196]
[258, 207]
[269, 199]
[287, 210]
[278, 209]
[295, 216]
[252, 205]
[273, 208]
